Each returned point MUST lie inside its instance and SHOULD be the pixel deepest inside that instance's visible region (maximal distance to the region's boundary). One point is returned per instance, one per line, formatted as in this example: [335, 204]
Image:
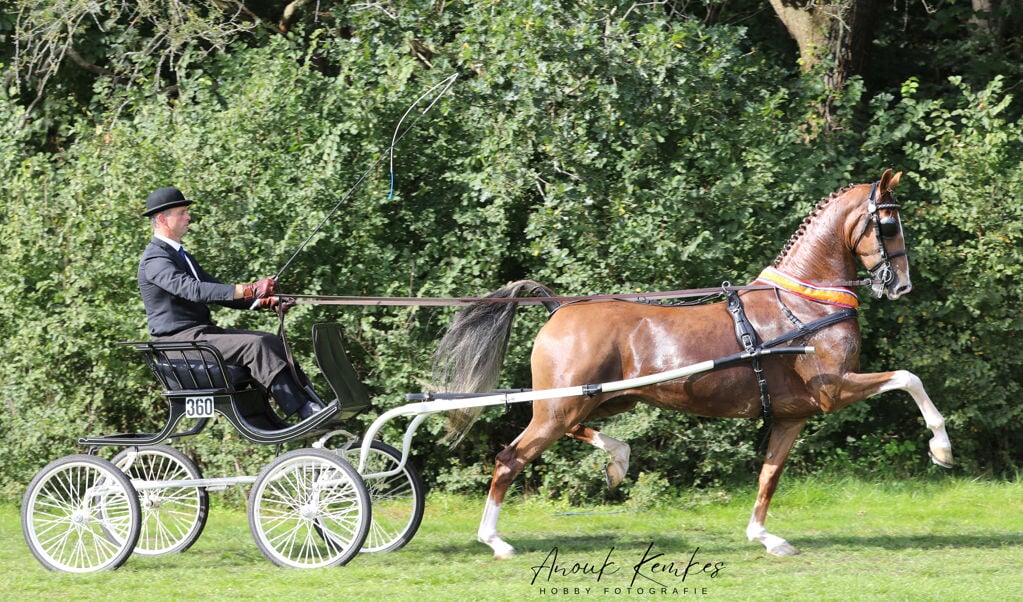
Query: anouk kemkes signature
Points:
[651, 569]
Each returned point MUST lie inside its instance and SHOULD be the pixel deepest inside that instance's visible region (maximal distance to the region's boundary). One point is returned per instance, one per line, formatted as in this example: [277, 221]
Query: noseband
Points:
[882, 274]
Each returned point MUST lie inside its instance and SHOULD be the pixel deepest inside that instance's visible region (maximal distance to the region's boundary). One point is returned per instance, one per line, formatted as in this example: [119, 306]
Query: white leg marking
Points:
[487, 532]
[619, 452]
[774, 544]
[941, 447]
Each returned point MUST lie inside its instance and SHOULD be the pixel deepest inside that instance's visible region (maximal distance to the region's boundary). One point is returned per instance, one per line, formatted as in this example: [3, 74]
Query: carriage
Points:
[792, 338]
[308, 508]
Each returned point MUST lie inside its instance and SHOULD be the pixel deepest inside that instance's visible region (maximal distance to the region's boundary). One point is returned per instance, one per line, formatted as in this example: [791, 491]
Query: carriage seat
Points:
[195, 375]
[184, 374]
[192, 366]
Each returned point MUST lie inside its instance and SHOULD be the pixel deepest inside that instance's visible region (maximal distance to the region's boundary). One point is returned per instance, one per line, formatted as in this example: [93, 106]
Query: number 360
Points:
[199, 407]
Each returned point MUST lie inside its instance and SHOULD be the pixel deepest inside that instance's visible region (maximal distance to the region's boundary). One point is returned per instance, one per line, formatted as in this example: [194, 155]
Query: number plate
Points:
[199, 407]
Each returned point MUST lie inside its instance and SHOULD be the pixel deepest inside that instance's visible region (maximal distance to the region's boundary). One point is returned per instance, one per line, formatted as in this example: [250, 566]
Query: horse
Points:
[805, 297]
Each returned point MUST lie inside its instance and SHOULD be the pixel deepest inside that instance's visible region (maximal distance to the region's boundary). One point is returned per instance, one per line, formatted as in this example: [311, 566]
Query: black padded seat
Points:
[186, 374]
[193, 375]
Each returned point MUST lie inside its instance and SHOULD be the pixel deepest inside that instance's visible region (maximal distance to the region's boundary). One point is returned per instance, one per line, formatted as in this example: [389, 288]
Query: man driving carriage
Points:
[176, 292]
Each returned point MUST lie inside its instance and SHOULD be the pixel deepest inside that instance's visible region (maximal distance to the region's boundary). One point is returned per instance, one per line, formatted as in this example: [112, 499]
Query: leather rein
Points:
[462, 301]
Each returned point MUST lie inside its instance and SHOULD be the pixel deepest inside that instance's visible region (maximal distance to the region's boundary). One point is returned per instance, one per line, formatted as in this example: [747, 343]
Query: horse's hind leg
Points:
[783, 435]
[614, 471]
[506, 467]
[541, 432]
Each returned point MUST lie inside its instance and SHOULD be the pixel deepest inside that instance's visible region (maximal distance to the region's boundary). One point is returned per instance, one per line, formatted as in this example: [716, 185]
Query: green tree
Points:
[593, 147]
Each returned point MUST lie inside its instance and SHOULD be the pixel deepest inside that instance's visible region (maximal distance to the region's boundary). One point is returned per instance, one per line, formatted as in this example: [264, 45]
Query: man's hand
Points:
[278, 304]
[260, 289]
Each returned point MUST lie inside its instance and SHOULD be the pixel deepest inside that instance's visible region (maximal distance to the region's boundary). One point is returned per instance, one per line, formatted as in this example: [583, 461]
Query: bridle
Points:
[882, 274]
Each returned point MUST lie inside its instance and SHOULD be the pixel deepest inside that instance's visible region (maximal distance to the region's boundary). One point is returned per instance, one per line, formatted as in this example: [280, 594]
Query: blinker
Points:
[889, 227]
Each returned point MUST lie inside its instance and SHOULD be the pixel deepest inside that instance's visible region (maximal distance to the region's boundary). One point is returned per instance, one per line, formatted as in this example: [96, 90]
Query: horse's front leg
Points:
[855, 386]
[940, 446]
[783, 435]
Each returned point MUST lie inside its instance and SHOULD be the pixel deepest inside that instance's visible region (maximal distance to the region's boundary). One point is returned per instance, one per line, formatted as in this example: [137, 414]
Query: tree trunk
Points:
[982, 17]
[834, 33]
[808, 26]
[838, 30]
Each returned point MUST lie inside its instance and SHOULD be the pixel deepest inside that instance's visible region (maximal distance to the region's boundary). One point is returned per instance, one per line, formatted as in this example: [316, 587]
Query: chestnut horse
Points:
[802, 301]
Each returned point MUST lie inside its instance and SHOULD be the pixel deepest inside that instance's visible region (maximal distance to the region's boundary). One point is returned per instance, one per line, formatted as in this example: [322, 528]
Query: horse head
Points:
[879, 242]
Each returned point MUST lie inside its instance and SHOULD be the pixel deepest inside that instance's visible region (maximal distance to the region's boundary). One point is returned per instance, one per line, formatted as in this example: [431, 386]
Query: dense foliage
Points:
[591, 149]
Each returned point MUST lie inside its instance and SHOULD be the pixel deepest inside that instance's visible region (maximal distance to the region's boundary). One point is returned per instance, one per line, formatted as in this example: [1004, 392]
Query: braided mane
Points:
[821, 204]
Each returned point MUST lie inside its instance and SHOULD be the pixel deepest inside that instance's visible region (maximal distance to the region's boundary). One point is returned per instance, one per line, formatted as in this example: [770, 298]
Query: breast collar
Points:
[830, 295]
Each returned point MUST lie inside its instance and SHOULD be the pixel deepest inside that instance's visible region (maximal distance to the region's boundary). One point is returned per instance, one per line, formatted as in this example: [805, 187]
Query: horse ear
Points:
[882, 184]
[895, 180]
[888, 181]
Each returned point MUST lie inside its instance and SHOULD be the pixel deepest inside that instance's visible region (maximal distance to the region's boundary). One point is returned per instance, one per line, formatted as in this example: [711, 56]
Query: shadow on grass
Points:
[591, 545]
[230, 557]
[938, 541]
[673, 545]
[594, 549]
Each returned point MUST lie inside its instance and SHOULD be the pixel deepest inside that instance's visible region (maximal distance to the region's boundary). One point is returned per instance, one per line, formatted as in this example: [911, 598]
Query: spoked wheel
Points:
[81, 514]
[309, 508]
[173, 517]
[398, 500]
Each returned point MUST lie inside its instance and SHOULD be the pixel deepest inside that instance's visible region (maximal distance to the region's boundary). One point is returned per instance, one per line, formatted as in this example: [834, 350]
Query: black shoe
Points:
[310, 408]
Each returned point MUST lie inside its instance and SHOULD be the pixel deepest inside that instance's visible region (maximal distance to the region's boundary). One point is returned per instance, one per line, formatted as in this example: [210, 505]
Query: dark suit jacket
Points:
[174, 299]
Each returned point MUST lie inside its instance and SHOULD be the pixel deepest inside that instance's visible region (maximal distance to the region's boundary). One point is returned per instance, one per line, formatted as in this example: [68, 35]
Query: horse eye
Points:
[889, 227]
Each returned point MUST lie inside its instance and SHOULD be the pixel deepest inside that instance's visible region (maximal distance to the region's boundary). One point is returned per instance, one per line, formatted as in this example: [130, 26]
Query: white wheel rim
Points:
[307, 512]
[170, 514]
[393, 501]
[81, 518]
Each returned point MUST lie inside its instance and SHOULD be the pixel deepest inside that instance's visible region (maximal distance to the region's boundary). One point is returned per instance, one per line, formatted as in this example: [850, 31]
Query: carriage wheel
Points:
[173, 517]
[398, 500]
[81, 514]
[309, 508]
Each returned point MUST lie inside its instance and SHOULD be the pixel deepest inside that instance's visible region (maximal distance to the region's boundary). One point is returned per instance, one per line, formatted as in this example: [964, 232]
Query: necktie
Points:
[188, 262]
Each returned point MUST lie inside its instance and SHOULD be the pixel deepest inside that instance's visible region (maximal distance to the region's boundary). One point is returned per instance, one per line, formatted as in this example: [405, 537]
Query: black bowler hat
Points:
[164, 198]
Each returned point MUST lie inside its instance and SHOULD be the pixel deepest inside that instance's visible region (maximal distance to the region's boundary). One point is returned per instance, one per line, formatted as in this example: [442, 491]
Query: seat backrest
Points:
[328, 344]
[185, 366]
[183, 374]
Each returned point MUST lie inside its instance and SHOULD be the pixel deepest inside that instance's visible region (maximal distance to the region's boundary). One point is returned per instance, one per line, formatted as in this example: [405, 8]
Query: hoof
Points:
[942, 457]
[502, 550]
[613, 475]
[783, 549]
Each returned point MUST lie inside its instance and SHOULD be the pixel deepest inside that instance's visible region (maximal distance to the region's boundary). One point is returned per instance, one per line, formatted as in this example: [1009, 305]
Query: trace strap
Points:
[462, 301]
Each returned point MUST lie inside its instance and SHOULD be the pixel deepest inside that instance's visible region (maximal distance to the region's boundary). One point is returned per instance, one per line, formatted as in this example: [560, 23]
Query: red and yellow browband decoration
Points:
[829, 295]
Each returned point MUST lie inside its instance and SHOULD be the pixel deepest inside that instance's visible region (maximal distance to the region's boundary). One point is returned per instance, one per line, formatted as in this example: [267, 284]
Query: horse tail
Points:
[469, 356]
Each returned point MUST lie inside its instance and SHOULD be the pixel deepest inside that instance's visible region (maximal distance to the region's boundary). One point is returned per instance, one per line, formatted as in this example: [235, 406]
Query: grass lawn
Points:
[936, 539]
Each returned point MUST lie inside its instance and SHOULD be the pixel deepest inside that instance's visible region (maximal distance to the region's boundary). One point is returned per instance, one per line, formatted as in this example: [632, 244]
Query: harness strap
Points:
[786, 311]
[830, 295]
[871, 212]
[812, 327]
[747, 336]
[744, 330]
[288, 356]
[646, 297]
